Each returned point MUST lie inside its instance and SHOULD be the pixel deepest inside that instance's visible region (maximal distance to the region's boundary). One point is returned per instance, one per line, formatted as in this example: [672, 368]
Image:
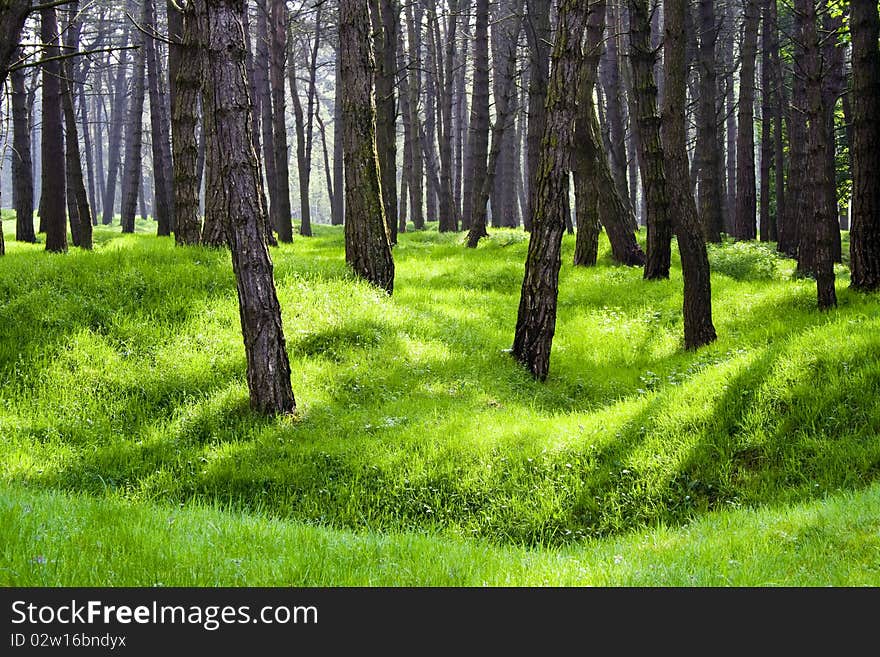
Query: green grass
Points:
[421, 452]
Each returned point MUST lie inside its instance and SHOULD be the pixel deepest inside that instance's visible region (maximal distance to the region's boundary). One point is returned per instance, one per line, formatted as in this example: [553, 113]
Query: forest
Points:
[522, 292]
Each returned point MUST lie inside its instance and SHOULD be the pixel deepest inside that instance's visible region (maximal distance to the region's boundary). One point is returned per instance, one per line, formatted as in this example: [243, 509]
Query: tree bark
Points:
[117, 120]
[386, 27]
[52, 210]
[22, 164]
[865, 231]
[185, 69]
[228, 115]
[697, 307]
[81, 216]
[131, 172]
[707, 154]
[536, 317]
[815, 251]
[338, 209]
[414, 77]
[367, 240]
[159, 139]
[538, 35]
[744, 227]
[277, 56]
[478, 132]
[651, 159]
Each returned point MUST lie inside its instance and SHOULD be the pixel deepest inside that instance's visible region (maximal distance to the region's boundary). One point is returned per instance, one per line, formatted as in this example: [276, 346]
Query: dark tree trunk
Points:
[461, 112]
[744, 227]
[386, 14]
[228, 115]
[833, 84]
[78, 199]
[815, 251]
[536, 318]
[429, 143]
[131, 172]
[707, 154]
[414, 76]
[100, 173]
[12, 20]
[367, 242]
[651, 160]
[406, 118]
[87, 145]
[277, 57]
[538, 34]
[22, 165]
[771, 140]
[53, 210]
[446, 81]
[117, 122]
[478, 133]
[864, 247]
[185, 67]
[160, 143]
[263, 96]
[697, 308]
[731, 128]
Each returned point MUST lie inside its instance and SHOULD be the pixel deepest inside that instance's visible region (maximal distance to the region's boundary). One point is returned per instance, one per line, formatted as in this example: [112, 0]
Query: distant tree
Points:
[134, 133]
[865, 231]
[478, 134]
[367, 239]
[227, 116]
[22, 164]
[277, 59]
[53, 205]
[744, 227]
[707, 148]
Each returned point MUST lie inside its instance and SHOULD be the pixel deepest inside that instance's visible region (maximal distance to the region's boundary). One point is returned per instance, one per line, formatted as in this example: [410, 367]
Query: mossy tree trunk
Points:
[651, 161]
[367, 239]
[536, 318]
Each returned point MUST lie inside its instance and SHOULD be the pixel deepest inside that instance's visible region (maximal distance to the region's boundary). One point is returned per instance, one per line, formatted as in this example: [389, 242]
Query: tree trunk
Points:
[865, 233]
[22, 165]
[536, 318]
[185, 70]
[53, 210]
[744, 227]
[539, 39]
[406, 118]
[707, 154]
[277, 56]
[651, 159]
[119, 78]
[414, 75]
[731, 128]
[445, 74]
[131, 172]
[159, 140]
[228, 115]
[697, 308]
[81, 216]
[367, 241]
[815, 251]
[478, 133]
[386, 27]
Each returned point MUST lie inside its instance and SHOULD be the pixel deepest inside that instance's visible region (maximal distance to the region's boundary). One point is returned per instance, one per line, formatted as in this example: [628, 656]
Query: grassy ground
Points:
[421, 453]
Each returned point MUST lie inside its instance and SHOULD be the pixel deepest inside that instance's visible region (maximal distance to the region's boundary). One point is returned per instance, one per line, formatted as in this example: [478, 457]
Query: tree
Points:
[538, 35]
[386, 14]
[536, 317]
[131, 171]
[277, 57]
[707, 151]
[478, 133]
[744, 226]
[22, 165]
[651, 159]
[367, 238]
[52, 205]
[227, 116]
[185, 70]
[159, 139]
[697, 308]
[865, 231]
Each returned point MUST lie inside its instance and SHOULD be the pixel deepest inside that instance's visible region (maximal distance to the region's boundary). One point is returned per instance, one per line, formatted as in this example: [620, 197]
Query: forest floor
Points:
[421, 453]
